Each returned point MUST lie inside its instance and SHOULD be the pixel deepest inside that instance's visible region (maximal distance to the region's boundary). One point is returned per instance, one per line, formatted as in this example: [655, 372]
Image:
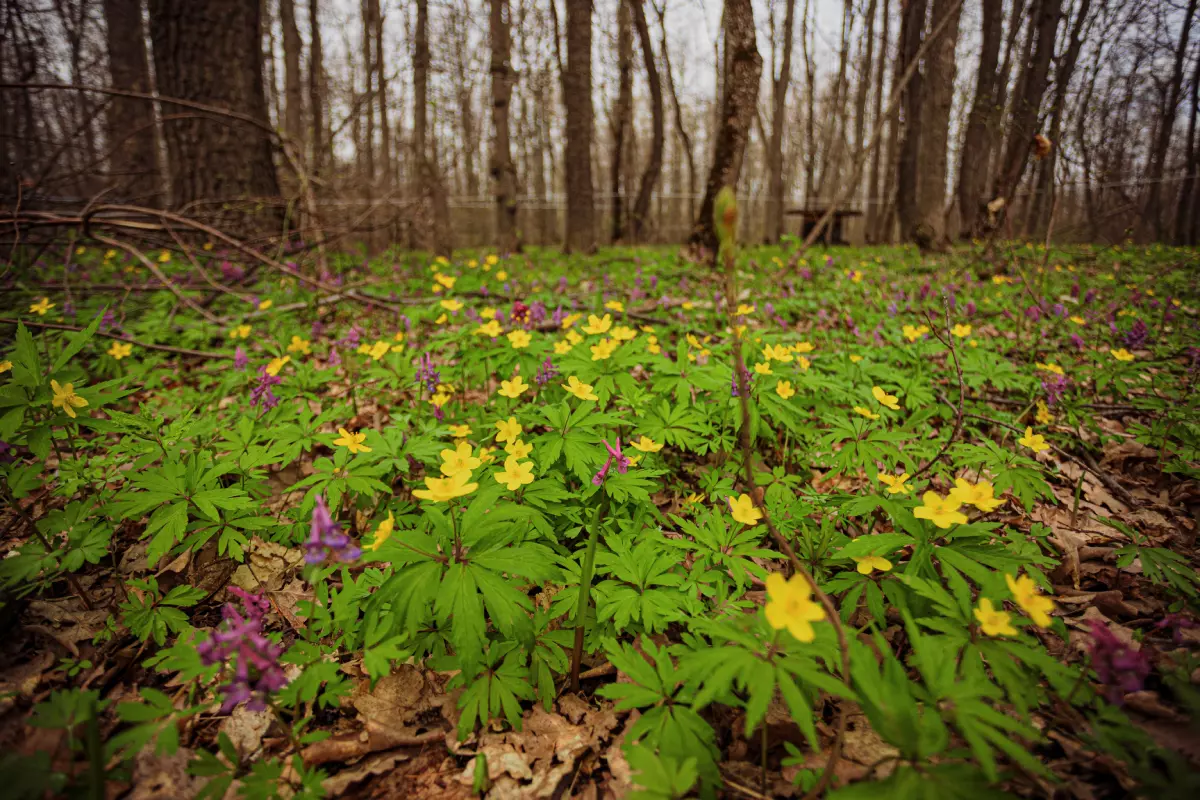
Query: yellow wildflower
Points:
[579, 389]
[66, 399]
[790, 605]
[120, 350]
[519, 339]
[352, 441]
[646, 445]
[440, 490]
[513, 388]
[596, 325]
[978, 494]
[743, 510]
[509, 430]
[784, 389]
[941, 511]
[895, 483]
[41, 306]
[299, 345]
[1034, 441]
[885, 399]
[516, 474]
[868, 564]
[992, 621]
[1030, 599]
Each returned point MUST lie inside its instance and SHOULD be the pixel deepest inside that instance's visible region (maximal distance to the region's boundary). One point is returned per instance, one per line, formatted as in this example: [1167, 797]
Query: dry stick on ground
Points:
[739, 377]
[948, 340]
[860, 158]
[183, 351]
[158, 273]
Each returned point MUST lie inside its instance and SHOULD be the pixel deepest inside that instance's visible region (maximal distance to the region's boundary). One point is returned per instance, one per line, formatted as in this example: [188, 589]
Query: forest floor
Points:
[526, 527]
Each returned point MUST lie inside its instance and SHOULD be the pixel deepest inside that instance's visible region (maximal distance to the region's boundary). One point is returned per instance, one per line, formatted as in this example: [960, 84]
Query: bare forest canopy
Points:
[464, 123]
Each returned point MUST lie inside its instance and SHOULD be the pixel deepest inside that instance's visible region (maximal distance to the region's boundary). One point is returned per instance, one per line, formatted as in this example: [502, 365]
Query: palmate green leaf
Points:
[497, 690]
[660, 777]
[167, 525]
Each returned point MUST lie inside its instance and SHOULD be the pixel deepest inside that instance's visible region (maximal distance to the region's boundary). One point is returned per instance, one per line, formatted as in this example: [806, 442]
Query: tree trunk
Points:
[1152, 216]
[385, 127]
[131, 129]
[873, 188]
[685, 140]
[774, 159]
[435, 234]
[293, 115]
[577, 97]
[1027, 103]
[622, 118]
[938, 96]
[740, 95]
[831, 147]
[1188, 207]
[211, 53]
[654, 163]
[912, 25]
[316, 90]
[504, 179]
[977, 141]
[864, 86]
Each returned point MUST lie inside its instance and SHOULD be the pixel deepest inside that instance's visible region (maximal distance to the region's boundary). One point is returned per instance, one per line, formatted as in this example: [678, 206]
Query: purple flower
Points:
[970, 309]
[1075, 291]
[614, 456]
[1077, 340]
[1118, 666]
[326, 540]
[232, 272]
[240, 359]
[335, 358]
[1090, 296]
[107, 321]
[1055, 388]
[828, 262]
[318, 328]
[734, 388]
[1177, 624]
[262, 392]
[1060, 310]
[242, 646]
[1033, 313]
[427, 374]
[351, 339]
[563, 284]
[1137, 335]
[558, 315]
[546, 373]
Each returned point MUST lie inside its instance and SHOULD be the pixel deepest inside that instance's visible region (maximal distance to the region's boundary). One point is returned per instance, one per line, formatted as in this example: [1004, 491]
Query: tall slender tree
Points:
[293, 93]
[1154, 219]
[977, 141]
[577, 98]
[504, 179]
[654, 161]
[774, 154]
[129, 122]
[316, 90]
[622, 118]
[936, 101]
[435, 236]
[873, 187]
[912, 27]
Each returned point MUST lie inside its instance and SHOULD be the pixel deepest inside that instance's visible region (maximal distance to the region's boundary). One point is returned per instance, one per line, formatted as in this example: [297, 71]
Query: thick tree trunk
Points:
[131, 129]
[381, 96]
[293, 105]
[977, 141]
[316, 90]
[774, 157]
[622, 117]
[577, 97]
[810, 102]
[654, 163]
[1152, 216]
[937, 99]
[1027, 102]
[504, 179]
[211, 53]
[831, 147]
[740, 97]
[435, 234]
[912, 25]
[1188, 208]
[871, 223]
[685, 140]
[864, 87]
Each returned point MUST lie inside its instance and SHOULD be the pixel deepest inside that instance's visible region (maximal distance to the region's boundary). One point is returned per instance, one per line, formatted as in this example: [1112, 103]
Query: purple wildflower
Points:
[1118, 666]
[257, 672]
[352, 338]
[1055, 388]
[262, 392]
[232, 272]
[746, 378]
[326, 540]
[427, 375]
[563, 284]
[1090, 296]
[335, 358]
[1060, 310]
[1177, 624]
[240, 359]
[318, 328]
[107, 322]
[1077, 340]
[546, 373]
[614, 455]
[970, 309]
[1033, 313]
[1137, 335]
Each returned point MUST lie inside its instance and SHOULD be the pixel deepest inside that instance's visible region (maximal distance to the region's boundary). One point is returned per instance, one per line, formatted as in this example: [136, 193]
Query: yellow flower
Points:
[941, 511]
[263, 305]
[1030, 599]
[492, 260]
[615, 305]
[485, 455]
[380, 349]
[508, 431]
[579, 389]
[240, 332]
[784, 389]
[514, 388]
[561, 348]
[363, 349]
[519, 339]
[208, 246]
[993, 622]
[445, 280]
[1122, 354]
[961, 330]
[653, 348]
[439, 399]
[5, 366]
[383, 532]
[744, 309]
[164, 256]
[516, 474]
[1043, 413]
[978, 494]
[488, 312]
[502, 275]
[352, 441]
[911, 333]
[868, 564]
[855, 359]
[574, 338]
[491, 328]
[441, 320]
[451, 304]
[1078, 320]
[802, 347]
[623, 333]
[777, 353]
[790, 605]
[687, 305]
[866, 413]
[277, 364]
[41, 306]
[603, 349]
[66, 399]
[1034, 441]
[518, 449]
[460, 431]
[743, 510]
[119, 350]
[646, 445]
[895, 483]
[570, 319]
[597, 325]
[458, 460]
[109, 255]
[1055, 368]
[443, 489]
[885, 399]
[299, 345]
[763, 368]
[803, 363]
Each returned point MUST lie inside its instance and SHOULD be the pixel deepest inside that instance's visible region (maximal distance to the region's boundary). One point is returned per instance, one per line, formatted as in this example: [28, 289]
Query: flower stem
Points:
[585, 589]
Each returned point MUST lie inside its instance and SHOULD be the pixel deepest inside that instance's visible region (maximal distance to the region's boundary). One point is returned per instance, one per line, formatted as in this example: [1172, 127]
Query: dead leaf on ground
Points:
[266, 564]
[246, 729]
[377, 764]
[158, 777]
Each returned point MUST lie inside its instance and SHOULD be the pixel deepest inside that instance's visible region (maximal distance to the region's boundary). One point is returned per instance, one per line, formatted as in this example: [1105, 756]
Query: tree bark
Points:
[577, 98]
[654, 162]
[316, 90]
[873, 187]
[435, 235]
[381, 96]
[912, 25]
[293, 115]
[211, 53]
[774, 159]
[864, 85]
[504, 179]
[622, 118]
[740, 97]
[685, 140]
[1188, 207]
[831, 147]
[938, 96]
[1152, 216]
[131, 129]
[977, 141]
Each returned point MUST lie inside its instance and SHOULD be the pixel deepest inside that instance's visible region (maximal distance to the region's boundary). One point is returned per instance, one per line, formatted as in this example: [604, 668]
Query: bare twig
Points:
[183, 351]
[948, 340]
